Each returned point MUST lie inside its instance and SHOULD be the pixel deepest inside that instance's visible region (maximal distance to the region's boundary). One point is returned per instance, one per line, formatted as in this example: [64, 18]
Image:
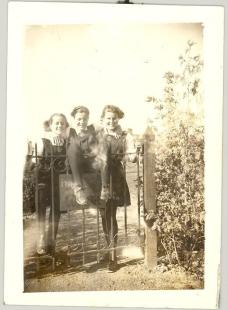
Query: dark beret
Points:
[79, 109]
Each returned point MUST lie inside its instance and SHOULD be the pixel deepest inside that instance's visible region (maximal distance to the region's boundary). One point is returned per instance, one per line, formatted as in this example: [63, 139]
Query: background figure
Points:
[82, 154]
[54, 144]
[115, 145]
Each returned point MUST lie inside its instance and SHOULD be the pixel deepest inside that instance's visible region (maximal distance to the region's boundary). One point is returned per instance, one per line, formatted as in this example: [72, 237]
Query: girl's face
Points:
[58, 125]
[110, 120]
[81, 120]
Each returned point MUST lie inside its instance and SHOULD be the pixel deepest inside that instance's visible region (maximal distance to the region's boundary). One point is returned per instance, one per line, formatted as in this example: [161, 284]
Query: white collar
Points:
[117, 133]
[53, 138]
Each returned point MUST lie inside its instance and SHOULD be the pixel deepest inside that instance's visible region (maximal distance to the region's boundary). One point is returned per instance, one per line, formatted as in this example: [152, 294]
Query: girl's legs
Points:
[53, 223]
[41, 214]
[75, 159]
[111, 232]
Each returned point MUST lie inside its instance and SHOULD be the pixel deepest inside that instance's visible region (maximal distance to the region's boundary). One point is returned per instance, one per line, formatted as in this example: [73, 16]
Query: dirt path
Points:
[130, 276]
[132, 273]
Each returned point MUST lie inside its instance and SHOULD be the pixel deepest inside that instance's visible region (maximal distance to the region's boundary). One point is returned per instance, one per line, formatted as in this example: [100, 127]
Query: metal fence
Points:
[82, 236]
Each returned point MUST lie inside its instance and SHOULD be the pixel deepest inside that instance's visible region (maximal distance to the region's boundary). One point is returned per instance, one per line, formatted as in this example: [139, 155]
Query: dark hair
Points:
[47, 124]
[114, 109]
[79, 109]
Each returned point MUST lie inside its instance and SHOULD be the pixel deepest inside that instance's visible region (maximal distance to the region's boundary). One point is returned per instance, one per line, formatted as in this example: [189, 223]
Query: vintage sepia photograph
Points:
[114, 183]
[111, 182]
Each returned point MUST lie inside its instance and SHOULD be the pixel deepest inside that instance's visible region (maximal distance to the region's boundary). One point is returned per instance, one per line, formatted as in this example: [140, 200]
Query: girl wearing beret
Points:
[82, 151]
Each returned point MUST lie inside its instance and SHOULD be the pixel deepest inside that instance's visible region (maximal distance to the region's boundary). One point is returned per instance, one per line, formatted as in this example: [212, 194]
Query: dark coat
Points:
[114, 150]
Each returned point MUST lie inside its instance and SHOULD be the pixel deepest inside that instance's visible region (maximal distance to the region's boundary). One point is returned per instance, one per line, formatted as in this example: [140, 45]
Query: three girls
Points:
[87, 149]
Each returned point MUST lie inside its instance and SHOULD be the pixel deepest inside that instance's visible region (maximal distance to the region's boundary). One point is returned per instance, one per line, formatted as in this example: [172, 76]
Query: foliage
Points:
[28, 187]
[178, 124]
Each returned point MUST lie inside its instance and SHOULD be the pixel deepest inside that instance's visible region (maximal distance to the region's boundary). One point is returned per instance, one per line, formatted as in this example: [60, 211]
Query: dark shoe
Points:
[50, 250]
[105, 258]
[113, 266]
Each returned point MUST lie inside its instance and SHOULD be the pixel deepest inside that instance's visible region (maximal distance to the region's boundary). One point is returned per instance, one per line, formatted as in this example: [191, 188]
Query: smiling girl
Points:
[115, 146]
[53, 144]
[81, 152]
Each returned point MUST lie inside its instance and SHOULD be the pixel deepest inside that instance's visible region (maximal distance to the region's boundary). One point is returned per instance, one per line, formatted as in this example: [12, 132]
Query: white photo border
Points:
[27, 13]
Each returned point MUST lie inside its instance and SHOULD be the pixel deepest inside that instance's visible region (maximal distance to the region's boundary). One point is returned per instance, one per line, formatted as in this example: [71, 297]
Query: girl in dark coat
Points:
[82, 156]
[48, 183]
[115, 145]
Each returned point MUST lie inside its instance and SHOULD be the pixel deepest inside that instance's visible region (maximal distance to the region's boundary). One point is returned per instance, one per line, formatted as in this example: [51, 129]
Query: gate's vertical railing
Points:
[138, 191]
[53, 206]
[111, 220]
[68, 210]
[84, 236]
[69, 237]
[125, 207]
[98, 235]
[37, 200]
[150, 197]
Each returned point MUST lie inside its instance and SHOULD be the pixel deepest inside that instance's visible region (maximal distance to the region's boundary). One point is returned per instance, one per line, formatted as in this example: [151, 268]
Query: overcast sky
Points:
[99, 64]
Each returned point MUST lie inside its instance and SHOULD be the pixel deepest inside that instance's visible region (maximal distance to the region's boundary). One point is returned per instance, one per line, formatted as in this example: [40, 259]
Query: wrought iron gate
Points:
[83, 238]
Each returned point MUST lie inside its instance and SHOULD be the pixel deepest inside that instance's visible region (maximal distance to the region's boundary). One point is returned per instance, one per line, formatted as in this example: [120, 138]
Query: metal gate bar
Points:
[111, 220]
[84, 237]
[95, 251]
[125, 207]
[37, 198]
[138, 189]
[52, 207]
[69, 238]
[98, 237]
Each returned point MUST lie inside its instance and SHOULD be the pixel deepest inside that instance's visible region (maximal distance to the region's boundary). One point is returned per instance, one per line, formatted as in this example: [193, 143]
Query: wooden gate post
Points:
[150, 197]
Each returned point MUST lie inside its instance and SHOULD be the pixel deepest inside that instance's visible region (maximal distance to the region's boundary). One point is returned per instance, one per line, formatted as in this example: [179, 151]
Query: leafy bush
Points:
[178, 124]
[28, 187]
